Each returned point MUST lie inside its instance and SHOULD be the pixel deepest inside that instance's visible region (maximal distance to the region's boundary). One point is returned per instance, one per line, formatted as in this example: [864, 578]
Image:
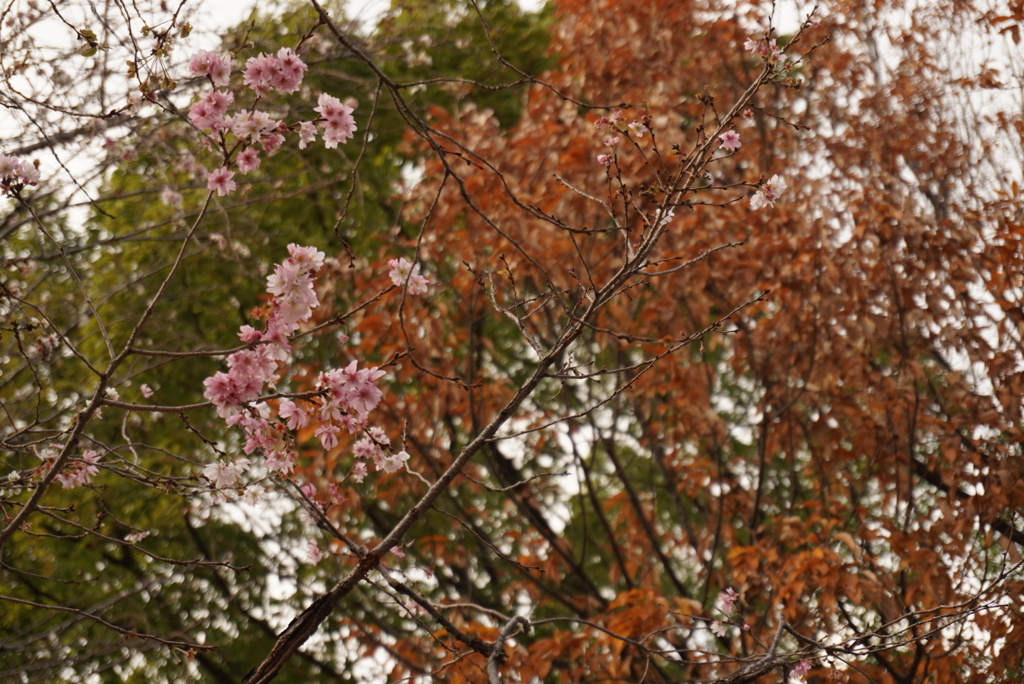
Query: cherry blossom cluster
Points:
[800, 670]
[15, 174]
[267, 73]
[224, 475]
[217, 67]
[404, 271]
[766, 50]
[338, 124]
[343, 398]
[45, 347]
[635, 130]
[253, 368]
[769, 192]
[726, 605]
[255, 131]
[727, 600]
[80, 472]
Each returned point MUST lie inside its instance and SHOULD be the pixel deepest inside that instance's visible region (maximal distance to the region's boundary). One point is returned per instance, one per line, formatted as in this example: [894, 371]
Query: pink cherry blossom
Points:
[222, 475]
[146, 390]
[338, 131]
[727, 600]
[366, 449]
[331, 410]
[259, 71]
[256, 364]
[360, 388]
[418, 284]
[359, 471]
[253, 126]
[307, 257]
[266, 73]
[295, 416]
[403, 270]
[768, 51]
[637, 129]
[292, 285]
[67, 478]
[15, 173]
[171, 198]
[328, 435]
[330, 107]
[87, 467]
[352, 424]
[186, 163]
[289, 279]
[228, 392]
[290, 69]
[730, 140]
[351, 393]
[307, 134]
[768, 193]
[394, 462]
[208, 113]
[260, 433]
[248, 160]
[272, 142]
[280, 461]
[219, 102]
[801, 669]
[220, 181]
[338, 124]
[313, 553]
[217, 67]
[249, 334]
[378, 435]
[605, 159]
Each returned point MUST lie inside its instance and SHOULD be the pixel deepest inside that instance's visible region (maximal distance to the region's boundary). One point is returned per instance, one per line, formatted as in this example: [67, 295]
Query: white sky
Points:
[222, 14]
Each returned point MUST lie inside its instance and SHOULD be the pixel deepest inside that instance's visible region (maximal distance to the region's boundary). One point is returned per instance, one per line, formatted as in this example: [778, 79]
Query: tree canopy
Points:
[637, 341]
